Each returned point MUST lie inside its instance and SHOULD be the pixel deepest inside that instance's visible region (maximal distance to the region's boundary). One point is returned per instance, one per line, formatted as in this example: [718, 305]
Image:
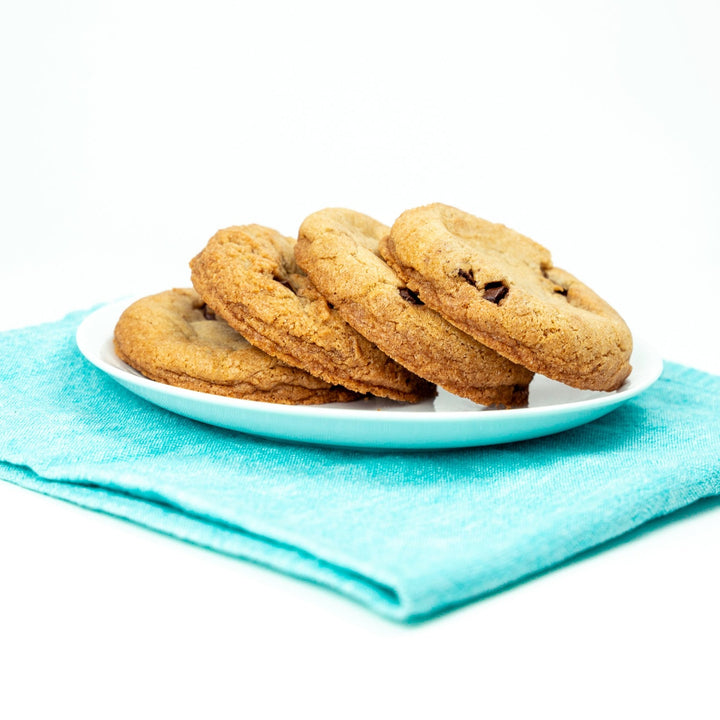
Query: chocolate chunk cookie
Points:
[502, 288]
[338, 249]
[174, 338]
[249, 276]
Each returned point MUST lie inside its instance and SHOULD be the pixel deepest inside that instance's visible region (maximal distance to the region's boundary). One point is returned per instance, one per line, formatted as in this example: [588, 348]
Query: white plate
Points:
[448, 421]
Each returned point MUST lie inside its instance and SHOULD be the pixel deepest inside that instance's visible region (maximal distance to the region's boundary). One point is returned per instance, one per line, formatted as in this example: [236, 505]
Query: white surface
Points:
[446, 421]
[131, 131]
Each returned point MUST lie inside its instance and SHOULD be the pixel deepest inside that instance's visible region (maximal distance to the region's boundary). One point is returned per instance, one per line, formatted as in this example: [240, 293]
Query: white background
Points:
[131, 131]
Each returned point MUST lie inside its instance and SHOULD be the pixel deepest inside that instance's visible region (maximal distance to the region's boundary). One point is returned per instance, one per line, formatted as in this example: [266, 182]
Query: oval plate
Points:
[447, 421]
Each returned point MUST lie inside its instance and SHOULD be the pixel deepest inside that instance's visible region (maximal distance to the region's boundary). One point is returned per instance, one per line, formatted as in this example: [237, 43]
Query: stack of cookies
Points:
[353, 308]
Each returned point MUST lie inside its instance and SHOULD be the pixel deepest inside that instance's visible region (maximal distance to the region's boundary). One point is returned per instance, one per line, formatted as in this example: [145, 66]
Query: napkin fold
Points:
[408, 534]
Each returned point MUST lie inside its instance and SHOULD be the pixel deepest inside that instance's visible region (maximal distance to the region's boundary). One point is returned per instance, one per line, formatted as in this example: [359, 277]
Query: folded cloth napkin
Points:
[409, 534]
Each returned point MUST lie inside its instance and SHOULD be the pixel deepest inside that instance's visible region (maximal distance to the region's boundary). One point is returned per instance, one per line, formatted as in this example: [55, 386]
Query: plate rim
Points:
[650, 372]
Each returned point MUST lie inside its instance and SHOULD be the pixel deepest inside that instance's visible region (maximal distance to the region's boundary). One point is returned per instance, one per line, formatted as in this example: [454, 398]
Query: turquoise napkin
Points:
[408, 534]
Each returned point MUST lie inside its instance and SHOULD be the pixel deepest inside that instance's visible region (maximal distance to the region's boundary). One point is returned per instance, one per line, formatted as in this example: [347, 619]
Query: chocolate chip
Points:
[410, 296]
[559, 289]
[208, 314]
[495, 291]
[467, 275]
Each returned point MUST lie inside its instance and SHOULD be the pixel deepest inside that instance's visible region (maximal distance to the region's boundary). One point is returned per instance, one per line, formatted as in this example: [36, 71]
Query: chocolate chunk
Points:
[208, 314]
[495, 291]
[467, 275]
[410, 296]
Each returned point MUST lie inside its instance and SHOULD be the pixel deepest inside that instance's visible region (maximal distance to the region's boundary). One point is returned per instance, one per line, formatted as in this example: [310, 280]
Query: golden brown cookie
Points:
[502, 288]
[173, 337]
[338, 249]
[248, 275]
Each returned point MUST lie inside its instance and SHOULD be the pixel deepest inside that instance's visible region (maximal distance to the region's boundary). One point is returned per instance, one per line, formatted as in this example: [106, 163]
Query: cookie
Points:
[338, 249]
[249, 276]
[502, 288]
[173, 337]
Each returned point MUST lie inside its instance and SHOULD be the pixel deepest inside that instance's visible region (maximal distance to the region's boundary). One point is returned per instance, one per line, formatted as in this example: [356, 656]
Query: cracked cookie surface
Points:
[174, 338]
[502, 288]
[338, 249]
[249, 276]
